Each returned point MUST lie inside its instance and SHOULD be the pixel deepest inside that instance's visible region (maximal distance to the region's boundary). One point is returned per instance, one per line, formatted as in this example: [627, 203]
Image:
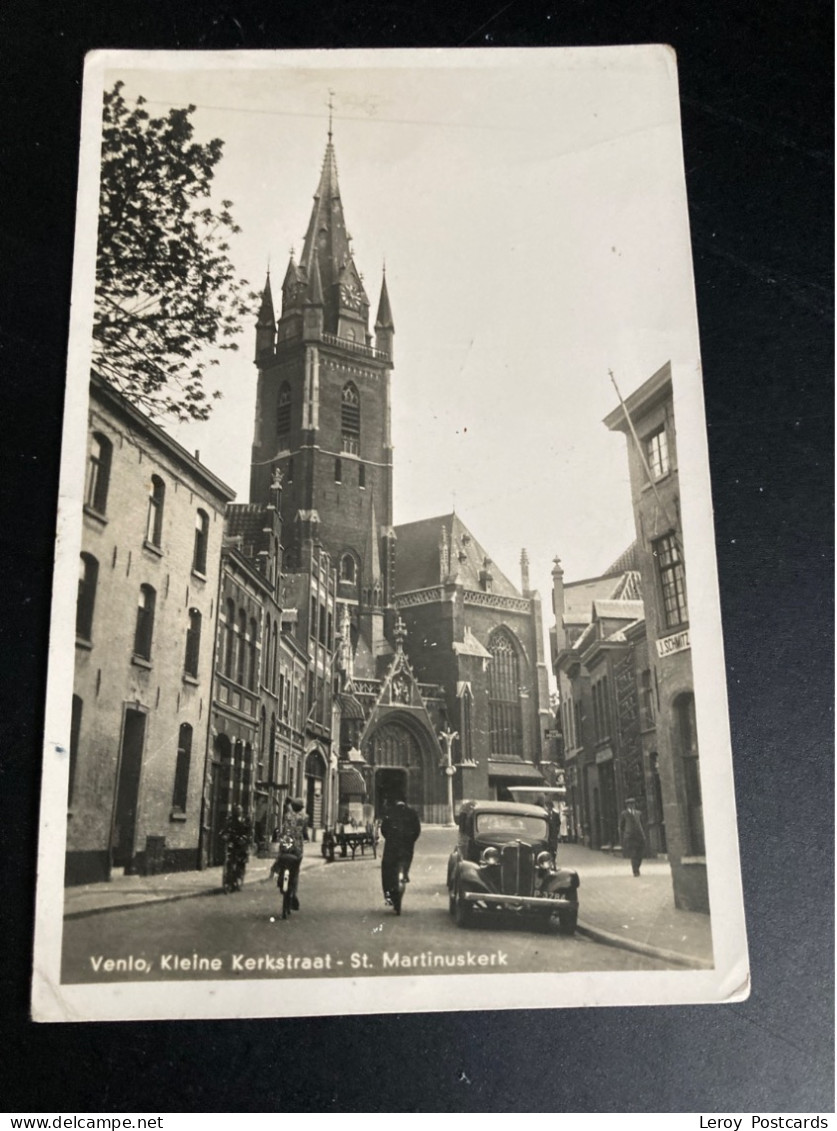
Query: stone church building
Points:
[440, 670]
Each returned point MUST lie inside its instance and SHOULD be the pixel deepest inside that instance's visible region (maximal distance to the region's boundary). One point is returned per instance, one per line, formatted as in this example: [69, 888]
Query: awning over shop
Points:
[351, 781]
[515, 772]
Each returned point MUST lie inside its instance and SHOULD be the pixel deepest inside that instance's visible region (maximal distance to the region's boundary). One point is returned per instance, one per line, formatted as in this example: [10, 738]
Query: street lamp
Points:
[447, 736]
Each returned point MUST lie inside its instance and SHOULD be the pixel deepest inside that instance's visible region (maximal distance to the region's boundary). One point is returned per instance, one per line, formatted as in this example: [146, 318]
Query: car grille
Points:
[517, 869]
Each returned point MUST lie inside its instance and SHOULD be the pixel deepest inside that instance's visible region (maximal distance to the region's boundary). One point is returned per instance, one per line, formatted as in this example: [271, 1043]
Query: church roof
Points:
[625, 562]
[417, 556]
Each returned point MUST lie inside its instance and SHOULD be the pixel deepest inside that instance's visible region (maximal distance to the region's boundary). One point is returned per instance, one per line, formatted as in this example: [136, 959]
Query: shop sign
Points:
[671, 644]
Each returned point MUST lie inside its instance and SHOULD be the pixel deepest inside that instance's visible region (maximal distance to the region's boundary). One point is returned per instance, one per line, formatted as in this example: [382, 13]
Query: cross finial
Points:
[400, 633]
[330, 113]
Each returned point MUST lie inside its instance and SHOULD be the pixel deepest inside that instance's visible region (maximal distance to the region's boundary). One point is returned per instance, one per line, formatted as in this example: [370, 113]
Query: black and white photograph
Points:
[386, 670]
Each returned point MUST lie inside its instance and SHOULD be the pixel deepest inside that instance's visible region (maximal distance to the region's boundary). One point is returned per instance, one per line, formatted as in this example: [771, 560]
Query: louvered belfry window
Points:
[283, 412]
[504, 697]
[350, 419]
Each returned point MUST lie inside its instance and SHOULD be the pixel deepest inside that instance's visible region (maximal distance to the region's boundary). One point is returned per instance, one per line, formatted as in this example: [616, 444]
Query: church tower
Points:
[323, 417]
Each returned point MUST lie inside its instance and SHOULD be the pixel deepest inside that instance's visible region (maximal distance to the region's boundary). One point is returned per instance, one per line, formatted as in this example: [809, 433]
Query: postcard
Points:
[386, 664]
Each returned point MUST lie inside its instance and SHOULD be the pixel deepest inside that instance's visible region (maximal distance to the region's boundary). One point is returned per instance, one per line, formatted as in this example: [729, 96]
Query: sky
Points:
[530, 207]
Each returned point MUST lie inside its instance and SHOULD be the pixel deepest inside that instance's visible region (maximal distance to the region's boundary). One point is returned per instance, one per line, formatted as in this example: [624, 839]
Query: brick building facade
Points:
[606, 708]
[647, 420]
[153, 523]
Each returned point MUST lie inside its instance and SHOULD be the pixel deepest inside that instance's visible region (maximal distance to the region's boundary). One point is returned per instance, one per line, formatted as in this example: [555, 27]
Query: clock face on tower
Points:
[350, 296]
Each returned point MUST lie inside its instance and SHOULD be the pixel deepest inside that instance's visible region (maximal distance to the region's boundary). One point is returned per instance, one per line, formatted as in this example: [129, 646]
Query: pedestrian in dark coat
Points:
[400, 829]
[289, 860]
[632, 834]
[554, 826]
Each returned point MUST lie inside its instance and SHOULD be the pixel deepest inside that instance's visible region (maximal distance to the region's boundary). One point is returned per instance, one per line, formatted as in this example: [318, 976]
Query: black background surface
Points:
[756, 87]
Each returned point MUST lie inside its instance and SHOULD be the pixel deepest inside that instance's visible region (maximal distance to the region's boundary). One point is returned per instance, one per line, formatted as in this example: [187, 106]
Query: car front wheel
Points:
[463, 911]
[568, 918]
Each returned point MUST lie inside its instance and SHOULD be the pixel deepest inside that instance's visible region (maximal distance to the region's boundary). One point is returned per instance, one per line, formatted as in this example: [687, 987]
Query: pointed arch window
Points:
[506, 729]
[348, 569]
[283, 412]
[154, 521]
[350, 419]
[98, 473]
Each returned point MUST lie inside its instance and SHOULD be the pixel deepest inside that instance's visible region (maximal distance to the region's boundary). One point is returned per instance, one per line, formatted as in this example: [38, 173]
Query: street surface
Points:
[343, 929]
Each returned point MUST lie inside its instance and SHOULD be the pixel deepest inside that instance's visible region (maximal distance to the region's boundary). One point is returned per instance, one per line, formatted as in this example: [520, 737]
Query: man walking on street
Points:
[632, 834]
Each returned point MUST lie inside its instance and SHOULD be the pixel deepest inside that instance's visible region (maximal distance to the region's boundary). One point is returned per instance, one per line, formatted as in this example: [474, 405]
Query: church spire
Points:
[266, 321]
[344, 299]
[384, 326]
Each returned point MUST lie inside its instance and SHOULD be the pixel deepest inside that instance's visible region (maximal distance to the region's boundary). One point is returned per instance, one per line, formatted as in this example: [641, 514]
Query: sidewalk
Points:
[615, 907]
[637, 913]
[134, 891]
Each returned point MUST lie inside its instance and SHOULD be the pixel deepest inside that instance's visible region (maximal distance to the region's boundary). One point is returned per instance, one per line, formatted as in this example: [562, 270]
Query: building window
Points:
[229, 642]
[275, 650]
[266, 654]
[647, 700]
[504, 696]
[75, 734]
[656, 453]
[283, 412]
[193, 643]
[322, 623]
[254, 633]
[145, 622]
[338, 470]
[687, 748]
[291, 470]
[601, 710]
[241, 666]
[88, 575]
[361, 477]
[578, 733]
[156, 499]
[201, 542]
[271, 750]
[350, 419]
[181, 770]
[348, 569]
[98, 473]
[672, 581]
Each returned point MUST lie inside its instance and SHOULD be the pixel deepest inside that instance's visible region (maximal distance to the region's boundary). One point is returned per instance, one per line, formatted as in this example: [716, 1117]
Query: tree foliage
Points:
[167, 294]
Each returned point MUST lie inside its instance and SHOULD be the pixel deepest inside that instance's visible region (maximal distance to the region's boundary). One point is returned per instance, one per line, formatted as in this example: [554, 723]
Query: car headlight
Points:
[544, 860]
[490, 856]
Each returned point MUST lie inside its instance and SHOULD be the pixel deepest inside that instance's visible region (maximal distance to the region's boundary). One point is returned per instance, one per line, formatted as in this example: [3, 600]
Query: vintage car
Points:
[502, 862]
